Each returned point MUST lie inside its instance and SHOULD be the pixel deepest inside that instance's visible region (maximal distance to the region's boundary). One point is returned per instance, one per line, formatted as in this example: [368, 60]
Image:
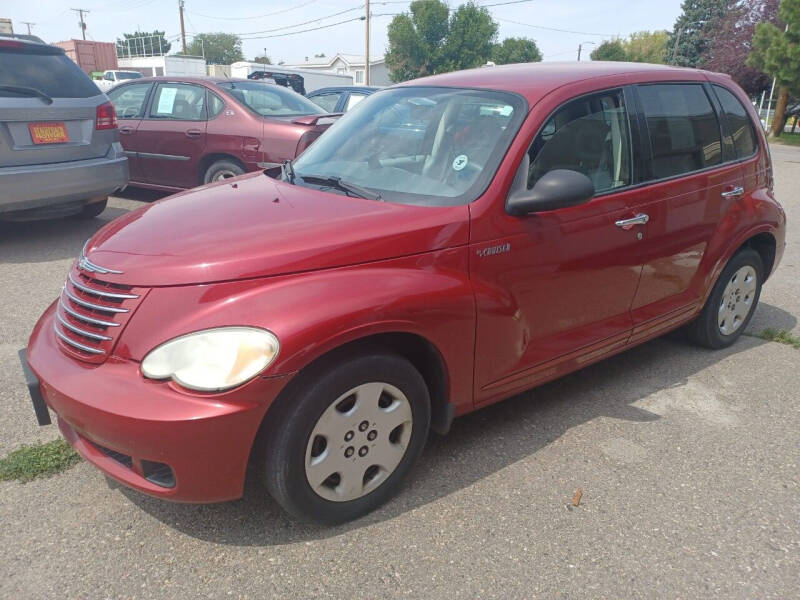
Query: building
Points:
[348, 64]
[172, 64]
[6, 26]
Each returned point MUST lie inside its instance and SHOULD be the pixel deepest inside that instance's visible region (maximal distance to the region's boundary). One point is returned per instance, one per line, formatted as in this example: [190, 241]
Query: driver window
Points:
[128, 100]
[589, 135]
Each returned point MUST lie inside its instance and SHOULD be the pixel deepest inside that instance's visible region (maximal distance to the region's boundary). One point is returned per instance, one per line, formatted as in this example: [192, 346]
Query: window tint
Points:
[588, 135]
[179, 101]
[45, 69]
[215, 105]
[684, 131]
[354, 99]
[740, 127]
[128, 100]
[327, 101]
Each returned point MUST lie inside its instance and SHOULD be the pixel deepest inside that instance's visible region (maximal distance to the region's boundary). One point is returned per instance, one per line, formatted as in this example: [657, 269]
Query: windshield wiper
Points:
[29, 91]
[345, 186]
[287, 170]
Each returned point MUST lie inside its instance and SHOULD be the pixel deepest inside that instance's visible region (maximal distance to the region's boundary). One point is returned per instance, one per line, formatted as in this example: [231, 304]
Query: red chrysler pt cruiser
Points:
[448, 243]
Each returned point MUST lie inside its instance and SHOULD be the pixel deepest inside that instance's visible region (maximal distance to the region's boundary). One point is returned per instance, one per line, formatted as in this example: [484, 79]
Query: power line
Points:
[556, 29]
[269, 14]
[336, 14]
[306, 30]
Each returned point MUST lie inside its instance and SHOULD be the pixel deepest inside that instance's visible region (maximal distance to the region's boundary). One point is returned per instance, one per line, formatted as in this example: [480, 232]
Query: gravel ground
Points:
[688, 461]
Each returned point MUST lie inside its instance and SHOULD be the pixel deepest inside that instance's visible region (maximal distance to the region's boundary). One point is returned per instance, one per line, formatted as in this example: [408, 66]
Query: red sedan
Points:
[451, 242]
[180, 132]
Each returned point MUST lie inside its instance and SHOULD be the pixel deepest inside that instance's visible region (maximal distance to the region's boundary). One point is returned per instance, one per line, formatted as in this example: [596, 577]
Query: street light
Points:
[580, 46]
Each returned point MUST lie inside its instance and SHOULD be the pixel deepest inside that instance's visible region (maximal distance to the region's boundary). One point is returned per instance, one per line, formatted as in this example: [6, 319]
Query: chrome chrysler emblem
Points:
[84, 264]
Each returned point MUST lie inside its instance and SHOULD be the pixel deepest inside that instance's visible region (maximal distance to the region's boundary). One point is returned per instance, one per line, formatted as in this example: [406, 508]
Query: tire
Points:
[324, 419]
[222, 169]
[719, 326]
[90, 211]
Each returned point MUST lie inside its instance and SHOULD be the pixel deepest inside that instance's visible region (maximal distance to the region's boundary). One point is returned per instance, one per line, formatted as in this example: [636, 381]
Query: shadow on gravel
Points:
[478, 444]
[55, 239]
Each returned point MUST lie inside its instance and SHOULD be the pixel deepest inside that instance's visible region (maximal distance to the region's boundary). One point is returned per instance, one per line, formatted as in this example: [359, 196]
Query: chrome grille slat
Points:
[102, 294]
[75, 344]
[99, 307]
[79, 331]
[84, 318]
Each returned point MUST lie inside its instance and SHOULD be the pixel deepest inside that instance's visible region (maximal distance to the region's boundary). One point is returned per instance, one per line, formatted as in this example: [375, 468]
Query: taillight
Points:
[106, 117]
[308, 138]
[11, 44]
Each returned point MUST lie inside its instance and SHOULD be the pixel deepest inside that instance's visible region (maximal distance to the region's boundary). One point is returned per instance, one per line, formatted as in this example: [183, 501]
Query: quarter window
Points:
[589, 135]
[739, 125]
[215, 105]
[684, 131]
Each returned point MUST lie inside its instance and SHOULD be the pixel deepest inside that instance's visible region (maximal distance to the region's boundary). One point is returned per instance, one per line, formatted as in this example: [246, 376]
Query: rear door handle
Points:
[639, 219]
[734, 193]
[193, 133]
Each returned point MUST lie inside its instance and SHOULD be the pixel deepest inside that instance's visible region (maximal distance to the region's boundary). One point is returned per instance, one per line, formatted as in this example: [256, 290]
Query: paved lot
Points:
[689, 463]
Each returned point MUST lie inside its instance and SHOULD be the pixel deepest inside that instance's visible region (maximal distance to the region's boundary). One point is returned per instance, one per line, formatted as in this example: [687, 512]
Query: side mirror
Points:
[558, 188]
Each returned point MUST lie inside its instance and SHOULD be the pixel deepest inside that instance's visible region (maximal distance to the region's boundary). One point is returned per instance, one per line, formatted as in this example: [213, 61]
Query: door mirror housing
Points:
[558, 188]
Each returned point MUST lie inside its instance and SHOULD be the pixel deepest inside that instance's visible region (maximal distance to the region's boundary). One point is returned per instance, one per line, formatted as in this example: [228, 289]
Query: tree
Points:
[218, 48]
[776, 52]
[692, 29]
[647, 46]
[515, 50]
[143, 43]
[730, 42]
[610, 50]
[263, 59]
[432, 39]
[470, 38]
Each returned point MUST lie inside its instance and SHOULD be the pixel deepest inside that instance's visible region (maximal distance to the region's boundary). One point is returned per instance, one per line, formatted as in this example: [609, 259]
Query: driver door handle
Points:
[640, 219]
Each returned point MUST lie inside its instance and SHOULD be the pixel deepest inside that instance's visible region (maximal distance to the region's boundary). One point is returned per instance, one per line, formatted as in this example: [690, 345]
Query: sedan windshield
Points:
[417, 145]
[270, 100]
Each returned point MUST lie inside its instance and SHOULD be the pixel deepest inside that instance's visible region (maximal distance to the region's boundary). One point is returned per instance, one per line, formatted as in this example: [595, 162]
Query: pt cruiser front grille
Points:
[91, 314]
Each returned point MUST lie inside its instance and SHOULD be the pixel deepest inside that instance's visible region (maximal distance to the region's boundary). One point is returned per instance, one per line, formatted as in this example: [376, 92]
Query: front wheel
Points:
[732, 302]
[343, 442]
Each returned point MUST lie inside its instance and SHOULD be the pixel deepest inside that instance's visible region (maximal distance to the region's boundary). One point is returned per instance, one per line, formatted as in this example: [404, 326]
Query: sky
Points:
[579, 22]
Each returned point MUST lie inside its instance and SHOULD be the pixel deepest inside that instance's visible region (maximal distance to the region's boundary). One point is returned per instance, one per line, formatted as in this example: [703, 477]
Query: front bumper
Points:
[38, 186]
[124, 424]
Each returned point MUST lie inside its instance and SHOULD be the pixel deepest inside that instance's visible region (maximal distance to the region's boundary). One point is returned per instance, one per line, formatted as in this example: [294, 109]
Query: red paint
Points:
[508, 302]
[235, 133]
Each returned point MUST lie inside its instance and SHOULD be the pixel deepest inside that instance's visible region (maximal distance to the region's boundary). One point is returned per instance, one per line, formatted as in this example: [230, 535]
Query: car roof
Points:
[191, 79]
[534, 80]
[345, 88]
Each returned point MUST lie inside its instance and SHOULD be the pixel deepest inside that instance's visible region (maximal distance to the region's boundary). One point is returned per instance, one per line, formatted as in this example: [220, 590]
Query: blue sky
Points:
[581, 20]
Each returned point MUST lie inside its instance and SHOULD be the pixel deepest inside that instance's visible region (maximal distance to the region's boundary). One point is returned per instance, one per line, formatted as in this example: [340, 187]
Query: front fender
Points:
[312, 313]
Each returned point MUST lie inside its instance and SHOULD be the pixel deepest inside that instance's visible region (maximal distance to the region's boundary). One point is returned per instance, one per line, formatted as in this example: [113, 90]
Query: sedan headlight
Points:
[214, 359]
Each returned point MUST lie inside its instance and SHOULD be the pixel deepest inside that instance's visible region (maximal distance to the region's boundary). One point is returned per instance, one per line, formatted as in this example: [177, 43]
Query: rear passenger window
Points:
[179, 101]
[588, 135]
[739, 125]
[684, 131]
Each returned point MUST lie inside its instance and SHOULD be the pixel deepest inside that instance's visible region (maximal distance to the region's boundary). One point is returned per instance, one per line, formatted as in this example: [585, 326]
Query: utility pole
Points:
[366, 47]
[675, 47]
[29, 24]
[80, 12]
[183, 29]
[580, 47]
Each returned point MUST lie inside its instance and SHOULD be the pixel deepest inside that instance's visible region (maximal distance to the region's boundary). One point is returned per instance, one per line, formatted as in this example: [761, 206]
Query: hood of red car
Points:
[255, 226]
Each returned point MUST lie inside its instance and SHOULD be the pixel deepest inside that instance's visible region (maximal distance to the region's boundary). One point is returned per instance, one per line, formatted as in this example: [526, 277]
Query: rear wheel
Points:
[90, 211]
[342, 444]
[732, 302]
[221, 170]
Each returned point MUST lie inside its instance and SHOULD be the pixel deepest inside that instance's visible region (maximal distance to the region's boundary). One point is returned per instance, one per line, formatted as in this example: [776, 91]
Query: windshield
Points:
[418, 145]
[128, 75]
[270, 100]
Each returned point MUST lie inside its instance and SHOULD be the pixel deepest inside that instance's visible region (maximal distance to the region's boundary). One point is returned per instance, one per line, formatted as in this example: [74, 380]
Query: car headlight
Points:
[213, 359]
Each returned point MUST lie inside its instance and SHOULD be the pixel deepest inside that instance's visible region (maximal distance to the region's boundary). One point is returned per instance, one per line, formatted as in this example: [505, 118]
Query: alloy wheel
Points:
[737, 300]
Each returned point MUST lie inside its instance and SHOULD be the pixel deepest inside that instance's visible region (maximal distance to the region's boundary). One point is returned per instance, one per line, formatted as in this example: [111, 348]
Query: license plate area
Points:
[48, 133]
